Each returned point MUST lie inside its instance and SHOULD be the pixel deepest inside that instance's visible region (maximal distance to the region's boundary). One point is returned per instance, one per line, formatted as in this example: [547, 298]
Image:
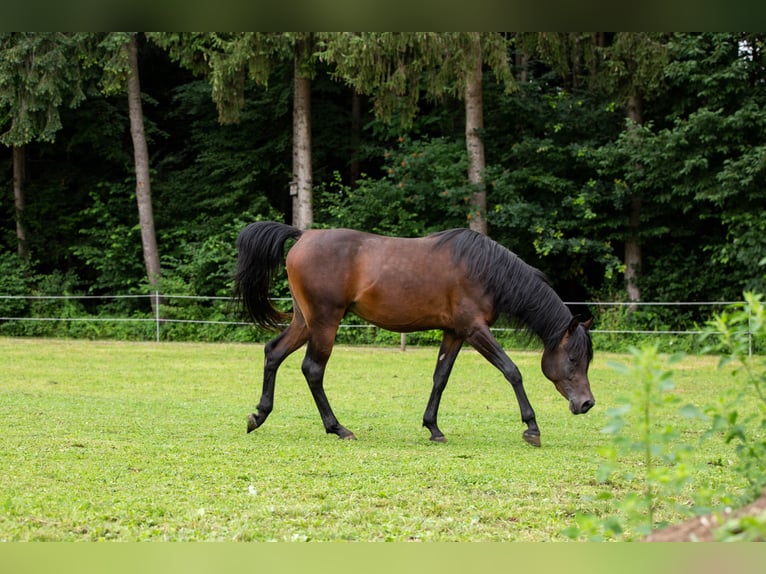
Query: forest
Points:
[627, 166]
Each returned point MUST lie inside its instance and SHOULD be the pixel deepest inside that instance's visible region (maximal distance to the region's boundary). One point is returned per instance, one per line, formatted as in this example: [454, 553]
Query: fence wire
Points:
[155, 300]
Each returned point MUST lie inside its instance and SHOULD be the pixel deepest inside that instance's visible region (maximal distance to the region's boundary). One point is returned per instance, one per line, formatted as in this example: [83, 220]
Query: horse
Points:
[457, 281]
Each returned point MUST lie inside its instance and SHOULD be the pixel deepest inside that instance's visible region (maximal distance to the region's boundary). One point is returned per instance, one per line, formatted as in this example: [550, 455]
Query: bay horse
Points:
[457, 281]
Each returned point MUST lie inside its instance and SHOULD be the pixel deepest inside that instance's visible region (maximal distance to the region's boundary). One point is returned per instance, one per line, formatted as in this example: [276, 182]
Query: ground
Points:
[703, 528]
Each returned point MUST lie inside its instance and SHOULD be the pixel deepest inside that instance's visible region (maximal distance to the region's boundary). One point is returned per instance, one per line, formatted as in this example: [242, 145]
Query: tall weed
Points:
[666, 473]
[662, 466]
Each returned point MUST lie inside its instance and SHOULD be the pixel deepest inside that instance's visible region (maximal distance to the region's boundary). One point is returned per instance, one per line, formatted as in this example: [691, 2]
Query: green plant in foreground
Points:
[740, 414]
[639, 431]
[666, 468]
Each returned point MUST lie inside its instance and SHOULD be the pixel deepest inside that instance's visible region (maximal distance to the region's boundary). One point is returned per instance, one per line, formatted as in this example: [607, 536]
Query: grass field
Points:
[145, 441]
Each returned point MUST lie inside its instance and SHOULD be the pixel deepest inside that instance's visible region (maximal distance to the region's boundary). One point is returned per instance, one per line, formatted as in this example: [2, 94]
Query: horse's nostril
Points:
[587, 405]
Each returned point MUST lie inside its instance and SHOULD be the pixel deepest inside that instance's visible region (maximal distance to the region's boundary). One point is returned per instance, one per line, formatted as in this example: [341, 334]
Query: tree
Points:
[395, 68]
[710, 135]
[228, 59]
[302, 183]
[141, 159]
[39, 72]
[474, 124]
[116, 54]
[633, 70]
[629, 69]
[561, 164]
[546, 200]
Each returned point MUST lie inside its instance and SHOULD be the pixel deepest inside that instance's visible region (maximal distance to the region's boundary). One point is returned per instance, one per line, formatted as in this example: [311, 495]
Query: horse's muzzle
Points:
[581, 408]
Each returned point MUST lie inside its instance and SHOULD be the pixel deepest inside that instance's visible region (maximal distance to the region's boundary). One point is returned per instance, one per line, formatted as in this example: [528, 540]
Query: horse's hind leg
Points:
[317, 354]
[275, 352]
[448, 351]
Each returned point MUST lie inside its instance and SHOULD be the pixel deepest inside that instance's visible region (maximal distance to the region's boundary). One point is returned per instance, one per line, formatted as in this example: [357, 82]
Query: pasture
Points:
[144, 441]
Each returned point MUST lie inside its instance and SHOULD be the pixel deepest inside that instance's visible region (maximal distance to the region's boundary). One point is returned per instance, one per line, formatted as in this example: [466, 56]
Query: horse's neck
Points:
[548, 317]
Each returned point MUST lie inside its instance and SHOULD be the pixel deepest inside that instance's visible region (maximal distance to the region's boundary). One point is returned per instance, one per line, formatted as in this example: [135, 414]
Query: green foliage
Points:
[544, 199]
[737, 414]
[107, 53]
[228, 59]
[112, 246]
[741, 415]
[397, 68]
[634, 427]
[561, 167]
[633, 65]
[424, 190]
[43, 297]
[747, 528]
[16, 280]
[39, 73]
[696, 159]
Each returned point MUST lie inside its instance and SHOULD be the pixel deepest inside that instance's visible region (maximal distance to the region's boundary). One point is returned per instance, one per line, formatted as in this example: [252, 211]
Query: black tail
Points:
[260, 252]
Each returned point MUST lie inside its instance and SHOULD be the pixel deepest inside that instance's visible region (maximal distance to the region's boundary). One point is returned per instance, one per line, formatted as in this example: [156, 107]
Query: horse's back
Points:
[356, 259]
[401, 284]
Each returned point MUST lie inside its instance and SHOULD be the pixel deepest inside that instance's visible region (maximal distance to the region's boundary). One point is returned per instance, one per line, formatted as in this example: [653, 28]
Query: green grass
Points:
[144, 441]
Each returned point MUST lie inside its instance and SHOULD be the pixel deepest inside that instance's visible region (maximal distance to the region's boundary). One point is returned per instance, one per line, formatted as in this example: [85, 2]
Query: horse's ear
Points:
[576, 321]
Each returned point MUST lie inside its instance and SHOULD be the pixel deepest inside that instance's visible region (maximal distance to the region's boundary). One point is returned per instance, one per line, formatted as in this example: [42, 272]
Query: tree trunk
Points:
[141, 159]
[633, 257]
[300, 188]
[19, 179]
[474, 123]
[522, 65]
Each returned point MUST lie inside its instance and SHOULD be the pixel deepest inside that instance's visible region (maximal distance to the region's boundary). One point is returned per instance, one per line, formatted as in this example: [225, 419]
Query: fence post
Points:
[403, 341]
[157, 315]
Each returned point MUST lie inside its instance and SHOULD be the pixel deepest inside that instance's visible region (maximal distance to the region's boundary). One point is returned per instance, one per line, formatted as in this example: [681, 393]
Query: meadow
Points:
[135, 441]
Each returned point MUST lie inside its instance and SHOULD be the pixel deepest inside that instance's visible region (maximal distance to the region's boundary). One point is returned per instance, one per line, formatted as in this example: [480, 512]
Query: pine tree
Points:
[39, 73]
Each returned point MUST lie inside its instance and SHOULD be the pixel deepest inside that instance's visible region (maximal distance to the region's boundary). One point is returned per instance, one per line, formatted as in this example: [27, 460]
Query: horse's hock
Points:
[703, 528]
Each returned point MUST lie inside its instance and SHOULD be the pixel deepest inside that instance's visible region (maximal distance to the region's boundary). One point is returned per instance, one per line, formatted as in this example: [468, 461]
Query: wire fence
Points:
[160, 318]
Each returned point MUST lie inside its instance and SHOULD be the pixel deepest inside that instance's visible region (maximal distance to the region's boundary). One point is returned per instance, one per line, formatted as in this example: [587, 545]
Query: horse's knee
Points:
[513, 375]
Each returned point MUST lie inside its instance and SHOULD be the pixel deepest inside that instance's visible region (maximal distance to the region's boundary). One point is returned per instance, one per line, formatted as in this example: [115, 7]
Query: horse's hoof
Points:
[532, 438]
[439, 438]
[252, 423]
[349, 436]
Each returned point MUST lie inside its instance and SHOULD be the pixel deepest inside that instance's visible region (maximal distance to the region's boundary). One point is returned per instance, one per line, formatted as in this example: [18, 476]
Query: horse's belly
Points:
[401, 322]
[404, 310]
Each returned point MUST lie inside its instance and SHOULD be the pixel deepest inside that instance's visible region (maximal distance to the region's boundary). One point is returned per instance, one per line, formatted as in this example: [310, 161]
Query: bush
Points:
[16, 278]
[423, 190]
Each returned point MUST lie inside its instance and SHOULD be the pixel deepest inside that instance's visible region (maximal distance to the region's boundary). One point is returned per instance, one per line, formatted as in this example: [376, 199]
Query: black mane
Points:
[521, 292]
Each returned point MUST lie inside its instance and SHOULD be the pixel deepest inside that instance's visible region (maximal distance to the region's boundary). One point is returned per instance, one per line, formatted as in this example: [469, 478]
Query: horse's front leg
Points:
[484, 342]
[275, 352]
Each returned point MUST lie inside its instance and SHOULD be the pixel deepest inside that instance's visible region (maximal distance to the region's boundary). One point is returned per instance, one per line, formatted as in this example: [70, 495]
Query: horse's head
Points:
[566, 365]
